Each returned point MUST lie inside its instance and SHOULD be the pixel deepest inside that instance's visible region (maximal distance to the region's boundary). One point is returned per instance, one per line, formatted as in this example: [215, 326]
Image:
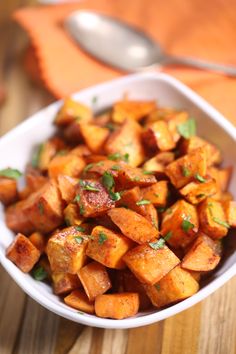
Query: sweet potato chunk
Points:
[117, 306]
[23, 253]
[135, 110]
[17, 219]
[127, 141]
[100, 167]
[39, 241]
[174, 121]
[81, 151]
[133, 225]
[108, 247]
[66, 250]
[221, 175]
[203, 256]
[47, 151]
[187, 168]
[157, 193]
[63, 283]
[157, 164]
[8, 190]
[196, 192]
[212, 218]
[94, 136]
[158, 137]
[177, 285]
[95, 279]
[130, 177]
[69, 165]
[34, 179]
[72, 215]
[66, 186]
[79, 300]
[149, 265]
[71, 111]
[230, 212]
[181, 220]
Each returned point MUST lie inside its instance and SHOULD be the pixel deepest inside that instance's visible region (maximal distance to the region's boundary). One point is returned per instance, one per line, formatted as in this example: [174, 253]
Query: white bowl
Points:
[16, 149]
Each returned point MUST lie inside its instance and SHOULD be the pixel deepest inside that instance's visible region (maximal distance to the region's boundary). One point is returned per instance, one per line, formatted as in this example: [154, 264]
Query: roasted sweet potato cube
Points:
[103, 166]
[229, 207]
[127, 141]
[161, 113]
[34, 179]
[174, 121]
[117, 306]
[181, 220]
[39, 241]
[150, 213]
[47, 151]
[23, 253]
[104, 119]
[95, 279]
[93, 198]
[149, 265]
[158, 163]
[80, 151]
[177, 285]
[157, 136]
[66, 186]
[17, 219]
[130, 177]
[221, 175]
[212, 218]
[8, 190]
[203, 256]
[72, 133]
[187, 168]
[63, 283]
[133, 225]
[71, 111]
[72, 215]
[196, 192]
[79, 300]
[94, 136]
[66, 250]
[157, 193]
[69, 165]
[135, 110]
[108, 247]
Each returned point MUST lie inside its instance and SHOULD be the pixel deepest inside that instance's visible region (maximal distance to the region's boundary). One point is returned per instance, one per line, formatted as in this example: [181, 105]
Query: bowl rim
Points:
[144, 319]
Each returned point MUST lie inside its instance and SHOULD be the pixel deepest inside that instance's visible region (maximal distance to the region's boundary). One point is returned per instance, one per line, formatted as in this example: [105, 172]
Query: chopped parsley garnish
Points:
[10, 173]
[201, 195]
[79, 239]
[158, 287]
[157, 195]
[135, 179]
[168, 236]
[187, 129]
[148, 172]
[157, 244]
[41, 208]
[187, 225]
[161, 209]
[77, 198]
[115, 195]
[143, 202]
[61, 153]
[81, 209]
[80, 228]
[126, 157]
[36, 156]
[185, 171]
[87, 186]
[102, 237]
[80, 312]
[108, 180]
[88, 167]
[115, 168]
[221, 222]
[94, 99]
[200, 178]
[169, 211]
[40, 273]
[118, 156]
[110, 126]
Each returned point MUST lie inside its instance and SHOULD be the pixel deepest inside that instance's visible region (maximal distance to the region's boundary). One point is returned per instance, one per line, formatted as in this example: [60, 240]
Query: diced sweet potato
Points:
[212, 218]
[66, 186]
[94, 136]
[174, 121]
[127, 141]
[108, 247]
[66, 250]
[196, 192]
[93, 202]
[187, 168]
[149, 265]
[162, 113]
[103, 119]
[177, 285]
[222, 176]
[23, 253]
[8, 190]
[39, 241]
[79, 300]
[181, 220]
[117, 306]
[158, 163]
[95, 279]
[63, 283]
[103, 166]
[157, 193]
[203, 256]
[229, 207]
[17, 219]
[130, 177]
[34, 179]
[81, 151]
[135, 110]
[72, 133]
[72, 215]
[157, 136]
[47, 151]
[69, 165]
[133, 225]
[71, 111]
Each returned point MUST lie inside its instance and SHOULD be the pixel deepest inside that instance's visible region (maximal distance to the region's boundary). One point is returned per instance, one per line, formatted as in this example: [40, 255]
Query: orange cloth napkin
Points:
[203, 29]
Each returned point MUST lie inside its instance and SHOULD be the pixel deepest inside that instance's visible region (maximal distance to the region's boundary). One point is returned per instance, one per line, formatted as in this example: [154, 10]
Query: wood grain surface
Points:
[28, 328]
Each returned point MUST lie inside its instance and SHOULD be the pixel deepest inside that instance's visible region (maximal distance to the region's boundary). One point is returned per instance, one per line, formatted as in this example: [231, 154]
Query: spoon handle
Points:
[202, 64]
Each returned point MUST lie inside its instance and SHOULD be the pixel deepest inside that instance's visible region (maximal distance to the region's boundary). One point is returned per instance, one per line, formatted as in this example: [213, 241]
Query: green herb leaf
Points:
[41, 208]
[221, 222]
[79, 239]
[143, 202]
[187, 225]
[102, 238]
[157, 244]
[61, 153]
[77, 198]
[110, 126]
[126, 157]
[201, 195]
[115, 168]
[135, 179]
[185, 171]
[36, 156]
[187, 129]
[115, 196]
[89, 186]
[80, 228]
[81, 209]
[161, 209]
[94, 99]
[117, 157]
[168, 236]
[40, 273]
[88, 167]
[80, 312]
[158, 287]
[148, 172]
[108, 180]
[200, 178]
[157, 195]
[10, 173]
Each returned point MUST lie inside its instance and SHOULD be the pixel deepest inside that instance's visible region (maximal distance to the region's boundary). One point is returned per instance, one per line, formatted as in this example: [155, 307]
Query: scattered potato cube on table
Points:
[79, 300]
[23, 253]
[63, 283]
[135, 110]
[71, 111]
[157, 193]
[229, 207]
[196, 192]
[8, 190]
[117, 306]
[157, 137]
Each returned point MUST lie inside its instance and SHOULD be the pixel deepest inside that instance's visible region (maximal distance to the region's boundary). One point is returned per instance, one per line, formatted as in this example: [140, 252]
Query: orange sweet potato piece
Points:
[66, 186]
[23, 253]
[47, 151]
[212, 218]
[133, 225]
[221, 175]
[17, 219]
[71, 111]
[117, 306]
[203, 256]
[187, 168]
[157, 136]
[108, 247]
[100, 167]
[34, 179]
[130, 177]
[174, 121]
[69, 165]
[39, 241]
[72, 215]
[158, 163]
[157, 193]
[8, 190]
[94, 136]
[63, 283]
[149, 265]
[181, 220]
[177, 285]
[81, 151]
[79, 300]
[135, 110]
[95, 279]
[196, 192]
[229, 207]
[127, 141]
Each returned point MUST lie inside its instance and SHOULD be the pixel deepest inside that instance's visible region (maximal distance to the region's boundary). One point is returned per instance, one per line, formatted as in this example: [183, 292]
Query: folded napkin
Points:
[201, 29]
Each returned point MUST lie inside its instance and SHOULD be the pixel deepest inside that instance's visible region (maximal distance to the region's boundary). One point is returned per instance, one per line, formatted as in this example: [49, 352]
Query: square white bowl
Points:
[16, 150]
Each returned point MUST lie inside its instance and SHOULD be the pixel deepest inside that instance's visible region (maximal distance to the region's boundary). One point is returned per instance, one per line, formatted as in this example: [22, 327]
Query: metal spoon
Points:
[124, 47]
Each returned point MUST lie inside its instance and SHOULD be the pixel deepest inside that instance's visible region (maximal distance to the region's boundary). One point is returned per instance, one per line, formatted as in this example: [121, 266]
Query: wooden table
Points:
[28, 328]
